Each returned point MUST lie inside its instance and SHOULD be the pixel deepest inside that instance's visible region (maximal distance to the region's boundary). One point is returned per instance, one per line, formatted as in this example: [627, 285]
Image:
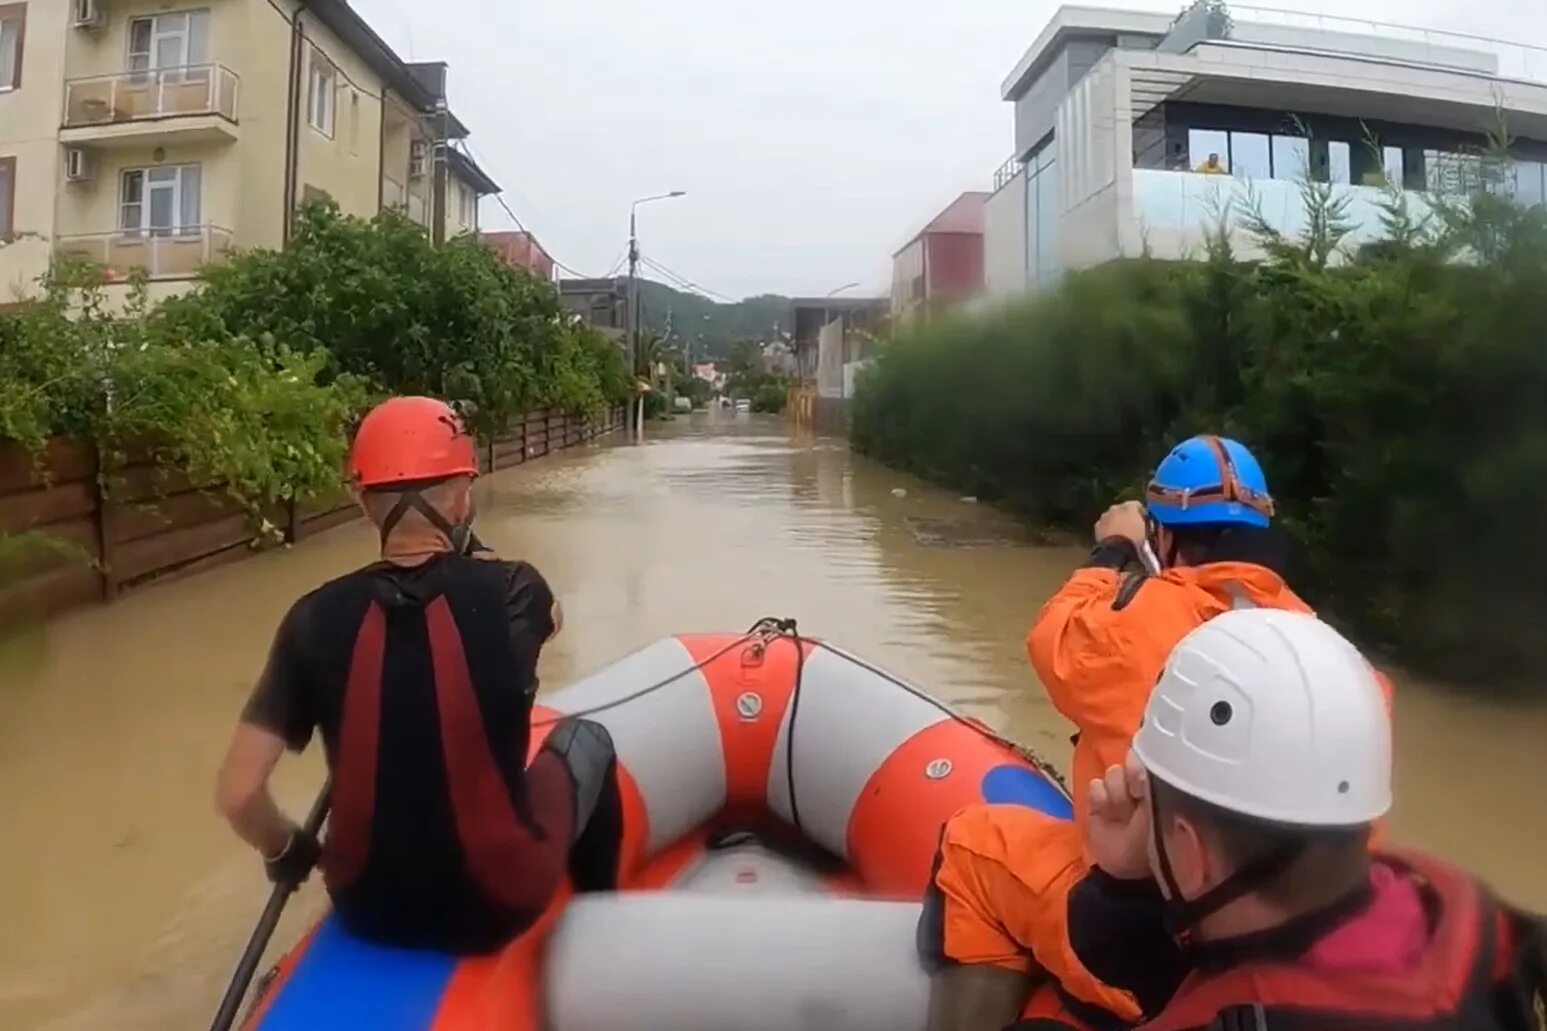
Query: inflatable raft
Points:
[782, 804]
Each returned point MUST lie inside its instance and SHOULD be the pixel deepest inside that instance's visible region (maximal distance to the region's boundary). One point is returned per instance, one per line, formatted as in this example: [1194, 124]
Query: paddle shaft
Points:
[231, 1004]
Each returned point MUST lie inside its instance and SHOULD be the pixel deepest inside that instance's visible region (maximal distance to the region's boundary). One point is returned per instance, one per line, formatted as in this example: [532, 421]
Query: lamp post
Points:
[633, 298]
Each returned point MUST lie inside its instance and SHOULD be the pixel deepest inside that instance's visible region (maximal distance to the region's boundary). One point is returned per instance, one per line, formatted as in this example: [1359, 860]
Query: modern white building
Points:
[1117, 115]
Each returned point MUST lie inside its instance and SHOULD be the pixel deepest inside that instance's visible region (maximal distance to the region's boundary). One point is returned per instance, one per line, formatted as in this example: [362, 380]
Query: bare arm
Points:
[242, 790]
[558, 619]
[976, 998]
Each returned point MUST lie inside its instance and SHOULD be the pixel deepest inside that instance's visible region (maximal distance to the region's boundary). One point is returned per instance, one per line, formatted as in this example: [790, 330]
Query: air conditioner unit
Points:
[87, 14]
[80, 165]
[418, 159]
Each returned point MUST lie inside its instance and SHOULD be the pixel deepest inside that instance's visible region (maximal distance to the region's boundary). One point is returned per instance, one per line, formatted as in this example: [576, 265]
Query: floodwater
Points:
[125, 901]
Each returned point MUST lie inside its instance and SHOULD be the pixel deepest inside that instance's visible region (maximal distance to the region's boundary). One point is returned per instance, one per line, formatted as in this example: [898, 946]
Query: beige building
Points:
[158, 134]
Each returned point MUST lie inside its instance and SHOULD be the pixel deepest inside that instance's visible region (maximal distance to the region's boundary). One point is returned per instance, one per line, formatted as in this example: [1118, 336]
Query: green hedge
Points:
[1397, 397]
[253, 379]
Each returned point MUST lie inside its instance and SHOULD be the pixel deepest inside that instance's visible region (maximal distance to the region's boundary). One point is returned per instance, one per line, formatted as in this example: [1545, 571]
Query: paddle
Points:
[225, 1017]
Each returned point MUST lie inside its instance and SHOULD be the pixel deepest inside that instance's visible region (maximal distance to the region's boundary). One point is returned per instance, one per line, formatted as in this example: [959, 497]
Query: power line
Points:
[500, 200]
[337, 67]
[460, 145]
[686, 282]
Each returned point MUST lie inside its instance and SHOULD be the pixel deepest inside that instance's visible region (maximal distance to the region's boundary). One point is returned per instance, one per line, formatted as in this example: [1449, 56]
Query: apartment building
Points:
[1135, 132]
[156, 135]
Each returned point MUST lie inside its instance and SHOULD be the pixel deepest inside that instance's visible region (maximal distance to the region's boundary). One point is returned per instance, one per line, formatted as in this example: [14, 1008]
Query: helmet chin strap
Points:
[458, 535]
[1182, 914]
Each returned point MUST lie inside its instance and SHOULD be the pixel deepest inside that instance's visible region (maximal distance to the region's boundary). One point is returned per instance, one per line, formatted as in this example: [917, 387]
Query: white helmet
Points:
[1273, 715]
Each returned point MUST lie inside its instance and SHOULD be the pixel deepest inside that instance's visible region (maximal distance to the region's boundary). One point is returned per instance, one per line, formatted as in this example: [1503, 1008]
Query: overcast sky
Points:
[814, 137]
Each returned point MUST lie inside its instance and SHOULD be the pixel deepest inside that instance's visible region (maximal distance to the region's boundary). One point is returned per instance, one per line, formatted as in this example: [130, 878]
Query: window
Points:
[321, 94]
[1392, 164]
[1529, 183]
[1291, 157]
[1250, 156]
[1044, 209]
[1209, 150]
[169, 41]
[467, 204]
[1340, 163]
[1454, 174]
[7, 198]
[160, 201]
[13, 32]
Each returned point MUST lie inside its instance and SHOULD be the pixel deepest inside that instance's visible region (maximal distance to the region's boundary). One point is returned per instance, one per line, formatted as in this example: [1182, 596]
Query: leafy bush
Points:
[1395, 399]
[770, 397]
[381, 303]
[252, 380]
[221, 408]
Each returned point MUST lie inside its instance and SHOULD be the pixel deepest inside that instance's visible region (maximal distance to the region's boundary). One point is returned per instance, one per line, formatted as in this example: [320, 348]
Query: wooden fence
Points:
[155, 523]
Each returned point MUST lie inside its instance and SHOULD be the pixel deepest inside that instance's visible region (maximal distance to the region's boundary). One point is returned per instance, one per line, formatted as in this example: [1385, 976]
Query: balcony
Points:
[177, 253]
[407, 200]
[1176, 210]
[192, 103]
[394, 195]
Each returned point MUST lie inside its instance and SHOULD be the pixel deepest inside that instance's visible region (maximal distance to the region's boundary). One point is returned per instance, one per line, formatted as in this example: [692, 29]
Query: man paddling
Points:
[996, 921]
[419, 671]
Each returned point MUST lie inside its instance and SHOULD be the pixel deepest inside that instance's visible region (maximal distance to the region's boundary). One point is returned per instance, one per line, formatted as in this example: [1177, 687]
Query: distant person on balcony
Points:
[1213, 166]
[419, 670]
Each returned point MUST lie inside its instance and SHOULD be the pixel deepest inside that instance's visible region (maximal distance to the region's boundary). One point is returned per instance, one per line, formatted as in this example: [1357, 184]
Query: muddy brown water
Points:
[124, 901]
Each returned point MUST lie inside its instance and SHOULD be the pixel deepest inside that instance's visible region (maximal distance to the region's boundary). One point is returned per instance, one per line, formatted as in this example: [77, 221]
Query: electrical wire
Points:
[684, 281]
[460, 145]
[337, 67]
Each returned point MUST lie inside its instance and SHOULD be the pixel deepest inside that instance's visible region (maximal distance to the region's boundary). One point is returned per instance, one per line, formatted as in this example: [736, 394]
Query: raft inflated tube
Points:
[684, 961]
[736, 754]
[875, 764]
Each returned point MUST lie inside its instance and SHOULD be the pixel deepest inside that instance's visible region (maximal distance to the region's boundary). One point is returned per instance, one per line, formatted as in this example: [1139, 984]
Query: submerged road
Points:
[126, 900]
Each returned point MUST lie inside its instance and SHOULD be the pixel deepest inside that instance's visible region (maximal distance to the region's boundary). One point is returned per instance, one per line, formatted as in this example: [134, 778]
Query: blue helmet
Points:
[1209, 479]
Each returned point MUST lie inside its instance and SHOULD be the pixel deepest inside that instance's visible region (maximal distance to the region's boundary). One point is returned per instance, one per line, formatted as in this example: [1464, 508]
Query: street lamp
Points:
[633, 295]
[841, 289]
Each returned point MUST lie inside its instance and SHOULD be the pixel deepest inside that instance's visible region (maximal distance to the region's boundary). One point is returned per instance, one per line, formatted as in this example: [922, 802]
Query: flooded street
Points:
[126, 900]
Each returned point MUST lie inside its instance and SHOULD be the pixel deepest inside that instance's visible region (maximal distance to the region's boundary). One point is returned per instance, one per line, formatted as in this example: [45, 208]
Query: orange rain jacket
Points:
[1102, 641]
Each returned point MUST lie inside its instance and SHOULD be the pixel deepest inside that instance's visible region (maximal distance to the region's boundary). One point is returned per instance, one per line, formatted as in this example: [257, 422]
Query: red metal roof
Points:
[962, 215]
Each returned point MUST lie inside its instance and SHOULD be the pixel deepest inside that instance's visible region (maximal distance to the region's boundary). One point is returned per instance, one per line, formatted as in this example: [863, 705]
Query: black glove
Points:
[294, 864]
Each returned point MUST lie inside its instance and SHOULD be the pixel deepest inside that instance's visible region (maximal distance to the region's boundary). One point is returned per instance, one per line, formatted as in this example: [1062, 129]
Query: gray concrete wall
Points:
[1037, 111]
[829, 360]
[1004, 239]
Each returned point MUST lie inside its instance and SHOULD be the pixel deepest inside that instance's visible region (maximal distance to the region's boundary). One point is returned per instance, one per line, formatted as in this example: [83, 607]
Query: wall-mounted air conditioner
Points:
[87, 14]
[418, 159]
[80, 165]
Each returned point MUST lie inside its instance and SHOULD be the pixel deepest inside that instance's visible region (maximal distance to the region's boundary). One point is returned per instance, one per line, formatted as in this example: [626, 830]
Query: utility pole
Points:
[671, 378]
[635, 357]
[633, 321]
[442, 134]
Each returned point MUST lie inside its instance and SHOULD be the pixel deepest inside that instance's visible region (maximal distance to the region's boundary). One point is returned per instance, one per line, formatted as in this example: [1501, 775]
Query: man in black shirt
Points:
[419, 671]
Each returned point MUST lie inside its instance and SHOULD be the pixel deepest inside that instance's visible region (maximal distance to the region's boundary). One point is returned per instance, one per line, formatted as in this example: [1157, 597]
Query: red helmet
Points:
[411, 440]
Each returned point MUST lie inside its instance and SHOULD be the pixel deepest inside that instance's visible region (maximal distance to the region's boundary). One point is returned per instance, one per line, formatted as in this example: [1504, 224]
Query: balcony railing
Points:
[1367, 38]
[1007, 172]
[171, 253]
[394, 194]
[198, 89]
[1177, 210]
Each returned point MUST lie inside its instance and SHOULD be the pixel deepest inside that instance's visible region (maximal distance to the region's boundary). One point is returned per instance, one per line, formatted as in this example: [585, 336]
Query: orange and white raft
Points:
[777, 843]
